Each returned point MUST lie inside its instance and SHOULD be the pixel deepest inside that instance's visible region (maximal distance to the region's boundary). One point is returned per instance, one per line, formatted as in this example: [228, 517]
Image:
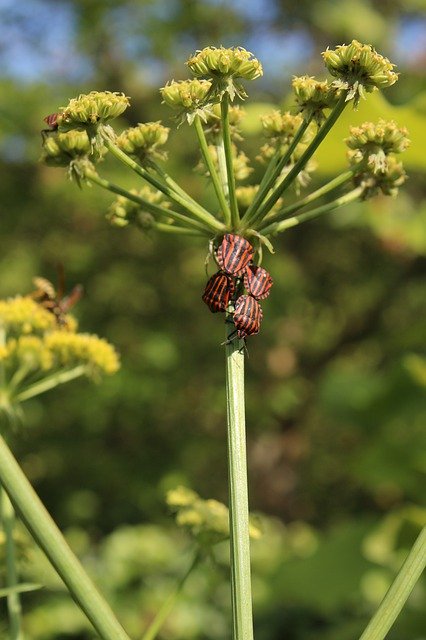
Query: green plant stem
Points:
[155, 209]
[50, 540]
[315, 195]
[277, 227]
[175, 230]
[271, 175]
[398, 592]
[169, 603]
[187, 203]
[13, 599]
[238, 490]
[208, 160]
[41, 386]
[298, 166]
[227, 144]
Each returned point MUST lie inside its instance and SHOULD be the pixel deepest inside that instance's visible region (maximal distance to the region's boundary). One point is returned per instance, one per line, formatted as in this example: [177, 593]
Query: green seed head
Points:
[313, 96]
[144, 140]
[372, 144]
[94, 108]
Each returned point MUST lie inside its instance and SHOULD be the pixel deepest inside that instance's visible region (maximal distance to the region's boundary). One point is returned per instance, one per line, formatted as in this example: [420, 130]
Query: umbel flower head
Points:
[373, 143]
[94, 108]
[123, 211]
[313, 96]
[188, 97]
[359, 69]
[386, 182]
[60, 148]
[206, 520]
[144, 140]
[37, 352]
[224, 68]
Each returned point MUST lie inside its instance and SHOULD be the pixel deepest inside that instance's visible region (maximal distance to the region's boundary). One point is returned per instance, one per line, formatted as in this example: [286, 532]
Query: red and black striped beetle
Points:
[247, 316]
[52, 121]
[234, 254]
[219, 289]
[257, 281]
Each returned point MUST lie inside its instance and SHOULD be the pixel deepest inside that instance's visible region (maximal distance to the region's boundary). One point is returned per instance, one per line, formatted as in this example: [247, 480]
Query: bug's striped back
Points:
[234, 254]
[218, 292]
[257, 281]
[247, 316]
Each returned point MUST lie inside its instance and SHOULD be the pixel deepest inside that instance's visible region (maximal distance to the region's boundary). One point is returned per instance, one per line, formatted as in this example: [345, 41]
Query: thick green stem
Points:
[188, 204]
[272, 173]
[169, 603]
[315, 195]
[13, 599]
[50, 540]
[399, 591]
[155, 209]
[276, 227]
[298, 166]
[227, 143]
[238, 490]
[208, 160]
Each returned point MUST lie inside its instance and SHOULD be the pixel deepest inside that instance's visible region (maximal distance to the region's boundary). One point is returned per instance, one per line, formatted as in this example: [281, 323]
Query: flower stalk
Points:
[227, 143]
[50, 540]
[14, 608]
[238, 490]
[400, 589]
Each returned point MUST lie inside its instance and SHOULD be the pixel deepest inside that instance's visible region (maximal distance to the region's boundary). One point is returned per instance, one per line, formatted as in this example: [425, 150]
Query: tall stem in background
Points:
[238, 491]
[7, 517]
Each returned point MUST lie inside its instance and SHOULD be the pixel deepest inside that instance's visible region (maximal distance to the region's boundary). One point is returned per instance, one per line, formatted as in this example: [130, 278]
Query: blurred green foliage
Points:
[335, 381]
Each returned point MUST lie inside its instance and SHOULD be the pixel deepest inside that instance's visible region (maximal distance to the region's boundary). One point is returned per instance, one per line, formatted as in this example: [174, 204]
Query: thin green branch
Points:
[164, 611]
[283, 213]
[398, 592]
[151, 207]
[277, 227]
[299, 165]
[175, 230]
[227, 142]
[272, 173]
[238, 490]
[14, 607]
[41, 386]
[188, 204]
[50, 540]
[208, 160]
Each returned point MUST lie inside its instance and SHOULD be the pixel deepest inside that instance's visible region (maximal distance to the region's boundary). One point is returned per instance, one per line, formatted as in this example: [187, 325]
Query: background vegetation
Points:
[336, 403]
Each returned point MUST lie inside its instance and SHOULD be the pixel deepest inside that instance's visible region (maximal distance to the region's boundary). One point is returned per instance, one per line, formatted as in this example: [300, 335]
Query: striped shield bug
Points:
[219, 289]
[52, 121]
[257, 281]
[234, 254]
[247, 316]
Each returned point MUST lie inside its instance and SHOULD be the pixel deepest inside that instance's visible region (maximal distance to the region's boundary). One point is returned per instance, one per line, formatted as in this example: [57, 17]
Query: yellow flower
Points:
[71, 349]
[25, 315]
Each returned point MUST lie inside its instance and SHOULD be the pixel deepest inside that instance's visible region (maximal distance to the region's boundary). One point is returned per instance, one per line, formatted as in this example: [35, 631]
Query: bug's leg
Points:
[230, 338]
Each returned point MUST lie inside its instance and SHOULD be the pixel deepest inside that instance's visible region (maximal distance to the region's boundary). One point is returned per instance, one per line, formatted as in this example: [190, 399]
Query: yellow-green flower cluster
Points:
[225, 68]
[124, 211]
[241, 166]
[37, 353]
[235, 62]
[313, 96]
[359, 69]
[189, 97]
[60, 148]
[282, 127]
[373, 144]
[386, 182]
[206, 520]
[214, 123]
[144, 140]
[23, 315]
[96, 107]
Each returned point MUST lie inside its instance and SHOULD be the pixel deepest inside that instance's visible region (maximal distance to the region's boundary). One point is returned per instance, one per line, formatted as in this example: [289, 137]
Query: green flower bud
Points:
[186, 94]
[313, 96]
[359, 69]
[372, 143]
[143, 141]
[282, 127]
[224, 67]
[124, 211]
[386, 182]
[94, 108]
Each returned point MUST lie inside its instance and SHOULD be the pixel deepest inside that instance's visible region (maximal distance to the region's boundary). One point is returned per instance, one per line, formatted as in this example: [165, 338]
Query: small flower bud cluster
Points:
[359, 69]
[61, 148]
[123, 211]
[313, 96]
[144, 140]
[189, 97]
[373, 143]
[94, 108]
[237, 272]
[214, 124]
[224, 68]
[206, 520]
[385, 182]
